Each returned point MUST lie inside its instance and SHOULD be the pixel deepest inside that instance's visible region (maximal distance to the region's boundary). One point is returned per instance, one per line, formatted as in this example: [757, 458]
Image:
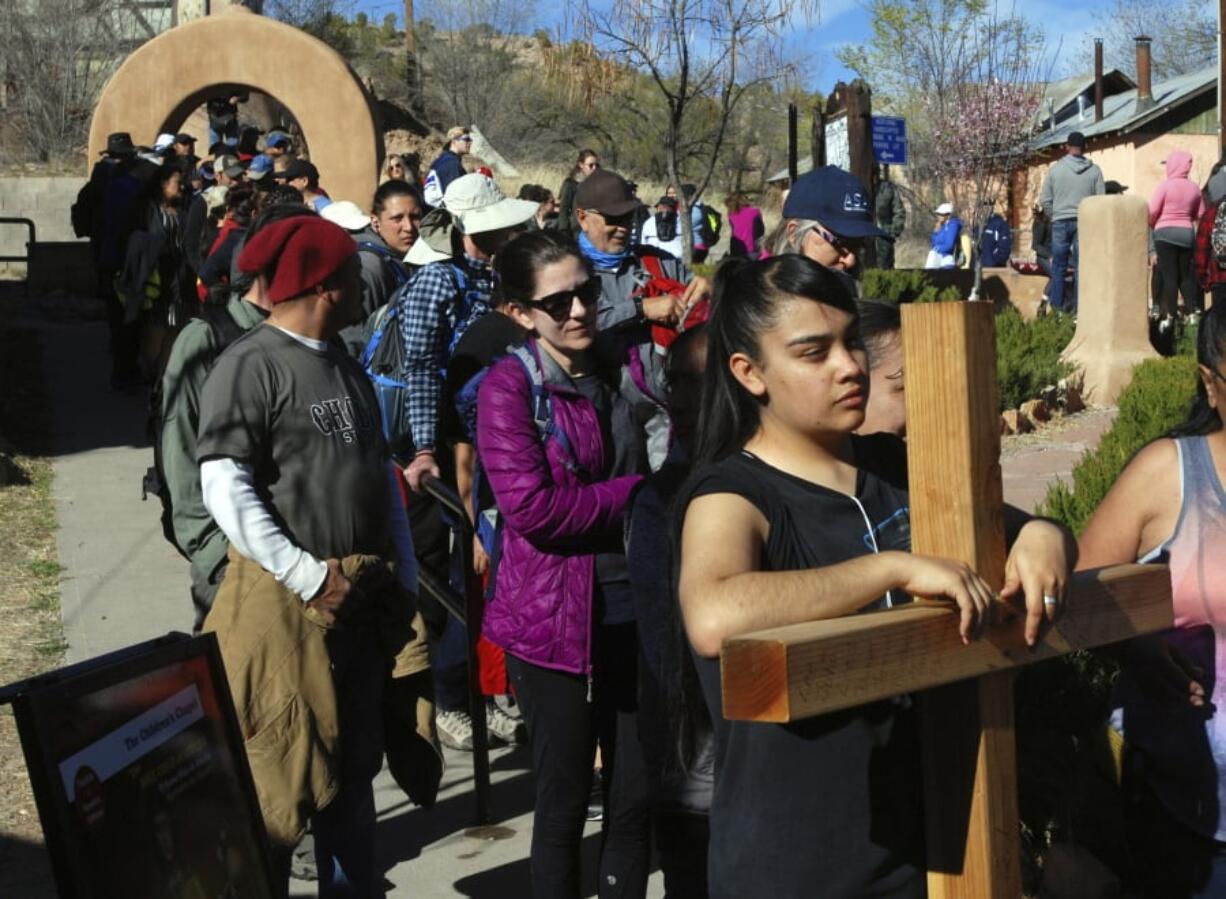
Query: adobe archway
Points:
[159, 85]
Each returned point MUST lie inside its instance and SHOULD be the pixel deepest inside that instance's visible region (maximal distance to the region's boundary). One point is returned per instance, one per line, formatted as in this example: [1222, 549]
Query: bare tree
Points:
[703, 56]
[1184, 32]
[58, 55]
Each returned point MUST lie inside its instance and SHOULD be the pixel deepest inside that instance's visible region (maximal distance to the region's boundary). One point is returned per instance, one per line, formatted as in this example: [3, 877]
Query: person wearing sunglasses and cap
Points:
[827, 216]
[448, 167]
[640, 286]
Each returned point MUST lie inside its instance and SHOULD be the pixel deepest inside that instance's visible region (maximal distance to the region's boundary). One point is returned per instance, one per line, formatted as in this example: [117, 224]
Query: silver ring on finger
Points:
[1050, 601]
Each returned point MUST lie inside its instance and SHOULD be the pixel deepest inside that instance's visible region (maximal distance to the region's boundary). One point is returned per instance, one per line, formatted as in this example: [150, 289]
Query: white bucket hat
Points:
[347, 214]
[163, 143]
[945, 209]
[478, 205]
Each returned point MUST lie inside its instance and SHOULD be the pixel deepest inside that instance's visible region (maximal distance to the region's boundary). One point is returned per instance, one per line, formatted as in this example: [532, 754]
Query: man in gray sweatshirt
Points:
[1069, 181]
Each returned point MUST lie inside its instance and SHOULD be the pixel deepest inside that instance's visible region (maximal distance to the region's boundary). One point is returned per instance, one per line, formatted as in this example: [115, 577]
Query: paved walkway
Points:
[123, 583]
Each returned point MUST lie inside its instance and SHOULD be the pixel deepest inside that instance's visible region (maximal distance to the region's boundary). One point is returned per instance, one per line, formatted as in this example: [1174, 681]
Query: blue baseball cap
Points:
[277, 138]
[835, 198]
[259, 166]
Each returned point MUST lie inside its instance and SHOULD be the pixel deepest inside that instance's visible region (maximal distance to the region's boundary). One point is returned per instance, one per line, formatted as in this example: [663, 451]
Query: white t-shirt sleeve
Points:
[228, 487]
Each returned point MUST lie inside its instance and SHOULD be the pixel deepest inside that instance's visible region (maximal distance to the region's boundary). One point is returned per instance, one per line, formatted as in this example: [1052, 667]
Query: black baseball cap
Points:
[300, 168]
[184, 139]
[607, 193]
[834, 197]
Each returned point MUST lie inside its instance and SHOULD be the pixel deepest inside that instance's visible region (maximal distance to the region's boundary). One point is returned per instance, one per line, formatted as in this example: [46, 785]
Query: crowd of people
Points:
[652, 460]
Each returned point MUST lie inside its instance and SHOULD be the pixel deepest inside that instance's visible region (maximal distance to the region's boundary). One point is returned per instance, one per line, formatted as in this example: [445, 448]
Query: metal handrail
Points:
[29, 223]
[472, 603]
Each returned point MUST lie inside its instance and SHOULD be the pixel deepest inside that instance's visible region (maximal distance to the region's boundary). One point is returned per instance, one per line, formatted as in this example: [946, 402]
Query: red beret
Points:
[296, 254]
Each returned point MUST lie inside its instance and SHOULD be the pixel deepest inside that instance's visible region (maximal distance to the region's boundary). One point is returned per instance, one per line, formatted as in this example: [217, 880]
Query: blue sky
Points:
[1067, 26]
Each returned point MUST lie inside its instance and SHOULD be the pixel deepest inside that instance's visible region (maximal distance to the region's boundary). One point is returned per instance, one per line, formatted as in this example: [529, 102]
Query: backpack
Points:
[383, 357]
[225, 330]
[1217, 239]
[381, 250]
[666, 226]
[485, 513]
[712, 225]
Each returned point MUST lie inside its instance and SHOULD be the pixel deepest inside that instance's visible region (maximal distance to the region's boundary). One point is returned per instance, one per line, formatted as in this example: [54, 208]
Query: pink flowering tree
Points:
[979, 128]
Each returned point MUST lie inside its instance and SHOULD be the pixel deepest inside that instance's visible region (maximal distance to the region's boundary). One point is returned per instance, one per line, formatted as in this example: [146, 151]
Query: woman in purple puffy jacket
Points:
[562, 438]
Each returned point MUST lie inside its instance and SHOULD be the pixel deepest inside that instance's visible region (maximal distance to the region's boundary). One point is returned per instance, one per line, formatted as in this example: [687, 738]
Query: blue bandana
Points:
[601, 260]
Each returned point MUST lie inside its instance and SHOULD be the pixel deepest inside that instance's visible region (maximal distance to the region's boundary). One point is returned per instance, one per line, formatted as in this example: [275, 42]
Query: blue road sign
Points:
[889, 140]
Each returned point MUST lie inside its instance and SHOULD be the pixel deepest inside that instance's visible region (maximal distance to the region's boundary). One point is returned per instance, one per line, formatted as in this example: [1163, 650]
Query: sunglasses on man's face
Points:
[558, 305]
[842, 246]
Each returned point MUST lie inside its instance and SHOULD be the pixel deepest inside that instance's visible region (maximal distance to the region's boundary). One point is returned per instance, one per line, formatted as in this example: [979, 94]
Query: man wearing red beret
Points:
[295, 471]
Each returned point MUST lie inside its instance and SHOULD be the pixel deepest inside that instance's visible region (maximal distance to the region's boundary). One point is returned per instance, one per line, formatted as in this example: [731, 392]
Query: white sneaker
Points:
[501, 725]
[455, 729]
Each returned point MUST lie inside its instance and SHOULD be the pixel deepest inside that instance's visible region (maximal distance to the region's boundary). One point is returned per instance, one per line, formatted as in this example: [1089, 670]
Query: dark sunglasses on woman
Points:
[557, 305]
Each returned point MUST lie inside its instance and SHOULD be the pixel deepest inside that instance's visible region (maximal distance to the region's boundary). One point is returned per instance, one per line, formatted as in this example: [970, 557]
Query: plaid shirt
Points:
[434, 315]
[1208, 272]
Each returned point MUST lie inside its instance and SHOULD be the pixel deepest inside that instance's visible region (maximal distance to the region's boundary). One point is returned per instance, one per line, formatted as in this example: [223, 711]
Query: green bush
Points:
[1159, 397]
[1066, 774]
[1028, 355]
[905, 286]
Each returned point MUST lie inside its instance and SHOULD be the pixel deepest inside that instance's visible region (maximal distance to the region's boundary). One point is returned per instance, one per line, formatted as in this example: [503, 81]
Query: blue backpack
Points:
[383, 358]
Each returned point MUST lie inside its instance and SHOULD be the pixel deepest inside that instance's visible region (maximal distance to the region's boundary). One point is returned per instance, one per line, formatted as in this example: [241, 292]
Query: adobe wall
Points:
[160, 84]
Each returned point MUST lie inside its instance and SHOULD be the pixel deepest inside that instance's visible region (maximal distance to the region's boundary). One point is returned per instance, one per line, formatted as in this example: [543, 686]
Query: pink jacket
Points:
[1176, 202]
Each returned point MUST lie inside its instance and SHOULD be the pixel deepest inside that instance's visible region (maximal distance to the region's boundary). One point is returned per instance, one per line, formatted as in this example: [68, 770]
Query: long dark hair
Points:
[1210, 348]
[521, 260]
[746, 303]
[583, 154]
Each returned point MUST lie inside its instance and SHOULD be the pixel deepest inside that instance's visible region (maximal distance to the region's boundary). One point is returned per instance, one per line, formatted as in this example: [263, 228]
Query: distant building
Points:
[1141, 123]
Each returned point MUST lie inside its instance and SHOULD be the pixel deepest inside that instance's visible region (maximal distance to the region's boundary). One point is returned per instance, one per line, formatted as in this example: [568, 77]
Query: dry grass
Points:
[31, 632]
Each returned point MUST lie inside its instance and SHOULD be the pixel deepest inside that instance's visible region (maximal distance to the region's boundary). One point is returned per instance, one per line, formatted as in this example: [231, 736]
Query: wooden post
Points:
[859, 100]
[817, 137]
[792, 148]
[957, 512]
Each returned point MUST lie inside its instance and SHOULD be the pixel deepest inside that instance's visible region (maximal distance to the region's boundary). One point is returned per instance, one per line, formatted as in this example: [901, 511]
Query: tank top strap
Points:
[1189, 475]
[1201, 482]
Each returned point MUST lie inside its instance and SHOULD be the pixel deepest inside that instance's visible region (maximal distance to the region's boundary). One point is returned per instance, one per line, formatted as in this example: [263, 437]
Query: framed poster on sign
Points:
[140, 775]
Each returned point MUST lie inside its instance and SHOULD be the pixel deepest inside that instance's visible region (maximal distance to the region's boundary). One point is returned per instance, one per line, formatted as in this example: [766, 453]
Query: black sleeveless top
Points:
[830, 806]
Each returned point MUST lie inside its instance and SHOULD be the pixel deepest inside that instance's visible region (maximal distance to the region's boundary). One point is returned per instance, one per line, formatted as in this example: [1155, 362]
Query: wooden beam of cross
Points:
[966, 711]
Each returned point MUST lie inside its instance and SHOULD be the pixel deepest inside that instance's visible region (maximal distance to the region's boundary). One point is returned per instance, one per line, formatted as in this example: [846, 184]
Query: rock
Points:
[1072, 399]
[1036, 410]
[1014, 422]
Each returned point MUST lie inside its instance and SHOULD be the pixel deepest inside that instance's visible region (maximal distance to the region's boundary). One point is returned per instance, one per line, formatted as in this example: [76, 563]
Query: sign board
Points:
[889, 140]
[140, 775]
[838, 149]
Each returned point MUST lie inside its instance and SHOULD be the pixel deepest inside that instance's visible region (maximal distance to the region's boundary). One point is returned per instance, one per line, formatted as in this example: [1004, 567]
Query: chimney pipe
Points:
[1145, 87]
[1098, 79]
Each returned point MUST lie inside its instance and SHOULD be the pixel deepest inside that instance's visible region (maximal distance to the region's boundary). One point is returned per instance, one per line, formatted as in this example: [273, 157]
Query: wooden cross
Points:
[966, 709]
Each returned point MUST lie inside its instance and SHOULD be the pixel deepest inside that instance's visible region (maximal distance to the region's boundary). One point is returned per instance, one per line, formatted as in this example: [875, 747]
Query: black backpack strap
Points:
[222, 326]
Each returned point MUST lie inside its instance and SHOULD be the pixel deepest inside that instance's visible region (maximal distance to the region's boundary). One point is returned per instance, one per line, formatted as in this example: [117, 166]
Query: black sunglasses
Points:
[557, 305]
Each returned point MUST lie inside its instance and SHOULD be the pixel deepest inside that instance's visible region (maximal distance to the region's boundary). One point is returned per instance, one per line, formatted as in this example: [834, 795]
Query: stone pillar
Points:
[1112, 319]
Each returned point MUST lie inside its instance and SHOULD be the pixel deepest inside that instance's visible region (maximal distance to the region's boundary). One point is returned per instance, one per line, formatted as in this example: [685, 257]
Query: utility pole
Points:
[412, 72]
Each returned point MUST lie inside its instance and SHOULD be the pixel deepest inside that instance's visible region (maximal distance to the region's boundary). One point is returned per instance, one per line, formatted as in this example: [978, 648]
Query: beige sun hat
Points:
[433, 242]
[477, 205]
